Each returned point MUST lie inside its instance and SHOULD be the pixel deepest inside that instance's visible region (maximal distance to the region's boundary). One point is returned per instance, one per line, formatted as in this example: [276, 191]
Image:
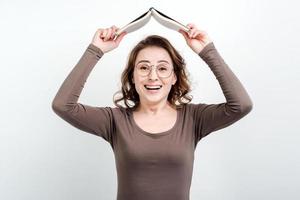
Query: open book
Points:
[158, 16]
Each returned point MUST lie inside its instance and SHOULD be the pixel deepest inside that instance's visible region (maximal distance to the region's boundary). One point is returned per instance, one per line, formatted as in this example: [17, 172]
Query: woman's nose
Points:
[153, 74]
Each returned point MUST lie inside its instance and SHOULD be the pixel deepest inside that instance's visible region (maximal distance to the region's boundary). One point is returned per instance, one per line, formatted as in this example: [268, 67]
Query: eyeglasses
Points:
[162, 70]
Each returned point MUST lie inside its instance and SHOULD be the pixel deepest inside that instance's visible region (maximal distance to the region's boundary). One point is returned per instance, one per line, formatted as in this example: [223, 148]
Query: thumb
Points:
[185, 35]
[120, 37]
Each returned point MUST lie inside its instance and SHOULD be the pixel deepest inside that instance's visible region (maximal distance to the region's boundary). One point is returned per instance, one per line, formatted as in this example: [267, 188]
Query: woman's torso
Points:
[156, 124]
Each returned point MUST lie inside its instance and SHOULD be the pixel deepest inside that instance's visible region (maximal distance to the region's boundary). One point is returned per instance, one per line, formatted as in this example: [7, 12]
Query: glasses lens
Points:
[162, 70]
[143, 69]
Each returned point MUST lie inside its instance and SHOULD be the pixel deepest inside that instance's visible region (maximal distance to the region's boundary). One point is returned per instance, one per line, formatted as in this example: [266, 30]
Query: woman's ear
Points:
[174, 79]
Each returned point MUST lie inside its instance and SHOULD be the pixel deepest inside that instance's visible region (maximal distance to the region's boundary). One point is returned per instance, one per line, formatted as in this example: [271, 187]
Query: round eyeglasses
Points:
[162, 70]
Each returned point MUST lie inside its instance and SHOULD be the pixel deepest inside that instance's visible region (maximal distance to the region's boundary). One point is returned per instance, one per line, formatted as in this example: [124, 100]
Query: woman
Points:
[155, 138]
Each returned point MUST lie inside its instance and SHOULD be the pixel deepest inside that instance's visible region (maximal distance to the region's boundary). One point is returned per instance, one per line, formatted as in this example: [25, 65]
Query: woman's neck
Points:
[154, 109]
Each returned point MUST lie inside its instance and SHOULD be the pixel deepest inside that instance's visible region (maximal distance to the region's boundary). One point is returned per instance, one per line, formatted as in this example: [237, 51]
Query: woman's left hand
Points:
[195, 38]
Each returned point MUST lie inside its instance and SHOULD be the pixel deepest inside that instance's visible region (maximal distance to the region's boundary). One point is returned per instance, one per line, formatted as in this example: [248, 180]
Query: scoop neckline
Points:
[159, 134]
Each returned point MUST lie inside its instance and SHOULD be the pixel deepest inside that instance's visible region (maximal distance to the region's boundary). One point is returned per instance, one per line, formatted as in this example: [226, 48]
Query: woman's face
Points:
[161, 60]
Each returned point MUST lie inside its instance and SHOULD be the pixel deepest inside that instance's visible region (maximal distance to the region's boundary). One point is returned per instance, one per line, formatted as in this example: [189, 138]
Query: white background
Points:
[43, 157]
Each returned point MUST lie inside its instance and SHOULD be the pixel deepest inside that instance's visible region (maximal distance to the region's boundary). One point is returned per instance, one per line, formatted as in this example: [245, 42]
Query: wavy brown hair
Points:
[179, 91]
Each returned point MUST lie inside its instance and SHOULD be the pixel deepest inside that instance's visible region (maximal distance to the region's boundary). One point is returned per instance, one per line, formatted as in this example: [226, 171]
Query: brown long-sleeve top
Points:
[152, 166]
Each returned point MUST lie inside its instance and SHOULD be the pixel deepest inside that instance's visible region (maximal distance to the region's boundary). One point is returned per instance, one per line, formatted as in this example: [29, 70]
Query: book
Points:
[158, 16]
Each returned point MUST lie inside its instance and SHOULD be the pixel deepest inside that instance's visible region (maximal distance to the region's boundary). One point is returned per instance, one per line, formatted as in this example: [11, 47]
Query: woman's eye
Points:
[143, 67]
[162, 68]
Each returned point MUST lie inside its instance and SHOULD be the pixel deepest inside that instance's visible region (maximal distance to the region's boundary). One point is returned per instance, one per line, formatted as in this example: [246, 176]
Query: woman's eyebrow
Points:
[149, 61]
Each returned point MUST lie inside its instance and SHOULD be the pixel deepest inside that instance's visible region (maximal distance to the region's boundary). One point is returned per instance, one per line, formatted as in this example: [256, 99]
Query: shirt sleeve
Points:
[212, 117]
[95, 120]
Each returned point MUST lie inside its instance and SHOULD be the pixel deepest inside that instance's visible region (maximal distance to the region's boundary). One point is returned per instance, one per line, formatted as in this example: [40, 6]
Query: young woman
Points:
[155, 135]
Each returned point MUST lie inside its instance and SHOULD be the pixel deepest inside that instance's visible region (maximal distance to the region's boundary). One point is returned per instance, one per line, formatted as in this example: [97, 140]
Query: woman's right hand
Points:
[104, 38]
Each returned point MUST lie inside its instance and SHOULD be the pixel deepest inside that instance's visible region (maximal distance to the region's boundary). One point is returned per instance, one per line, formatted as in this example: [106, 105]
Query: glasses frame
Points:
[155, 71]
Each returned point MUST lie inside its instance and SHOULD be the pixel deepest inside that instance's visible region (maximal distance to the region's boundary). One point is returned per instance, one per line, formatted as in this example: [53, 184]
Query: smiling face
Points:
[158, 57]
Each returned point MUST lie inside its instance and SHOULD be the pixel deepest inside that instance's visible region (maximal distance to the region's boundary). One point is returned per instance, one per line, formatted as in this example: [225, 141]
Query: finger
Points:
[192, 32]
[103, 34]
[98, 33]
[196, 33]
[108, 34]
[191, 25]
[185, 35]
[114, 28]
[120, 37]
[117, 30]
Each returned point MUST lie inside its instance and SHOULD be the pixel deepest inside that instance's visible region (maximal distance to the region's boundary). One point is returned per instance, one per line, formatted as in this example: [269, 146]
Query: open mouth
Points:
[156, 87]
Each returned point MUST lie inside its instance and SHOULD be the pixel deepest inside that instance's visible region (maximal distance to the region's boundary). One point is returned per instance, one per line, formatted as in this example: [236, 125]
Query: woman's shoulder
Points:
[120, 111]
[191, 107]
[114, 110]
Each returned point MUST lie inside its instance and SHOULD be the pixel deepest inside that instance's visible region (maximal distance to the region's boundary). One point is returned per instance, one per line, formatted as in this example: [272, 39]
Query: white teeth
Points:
[153, 87]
